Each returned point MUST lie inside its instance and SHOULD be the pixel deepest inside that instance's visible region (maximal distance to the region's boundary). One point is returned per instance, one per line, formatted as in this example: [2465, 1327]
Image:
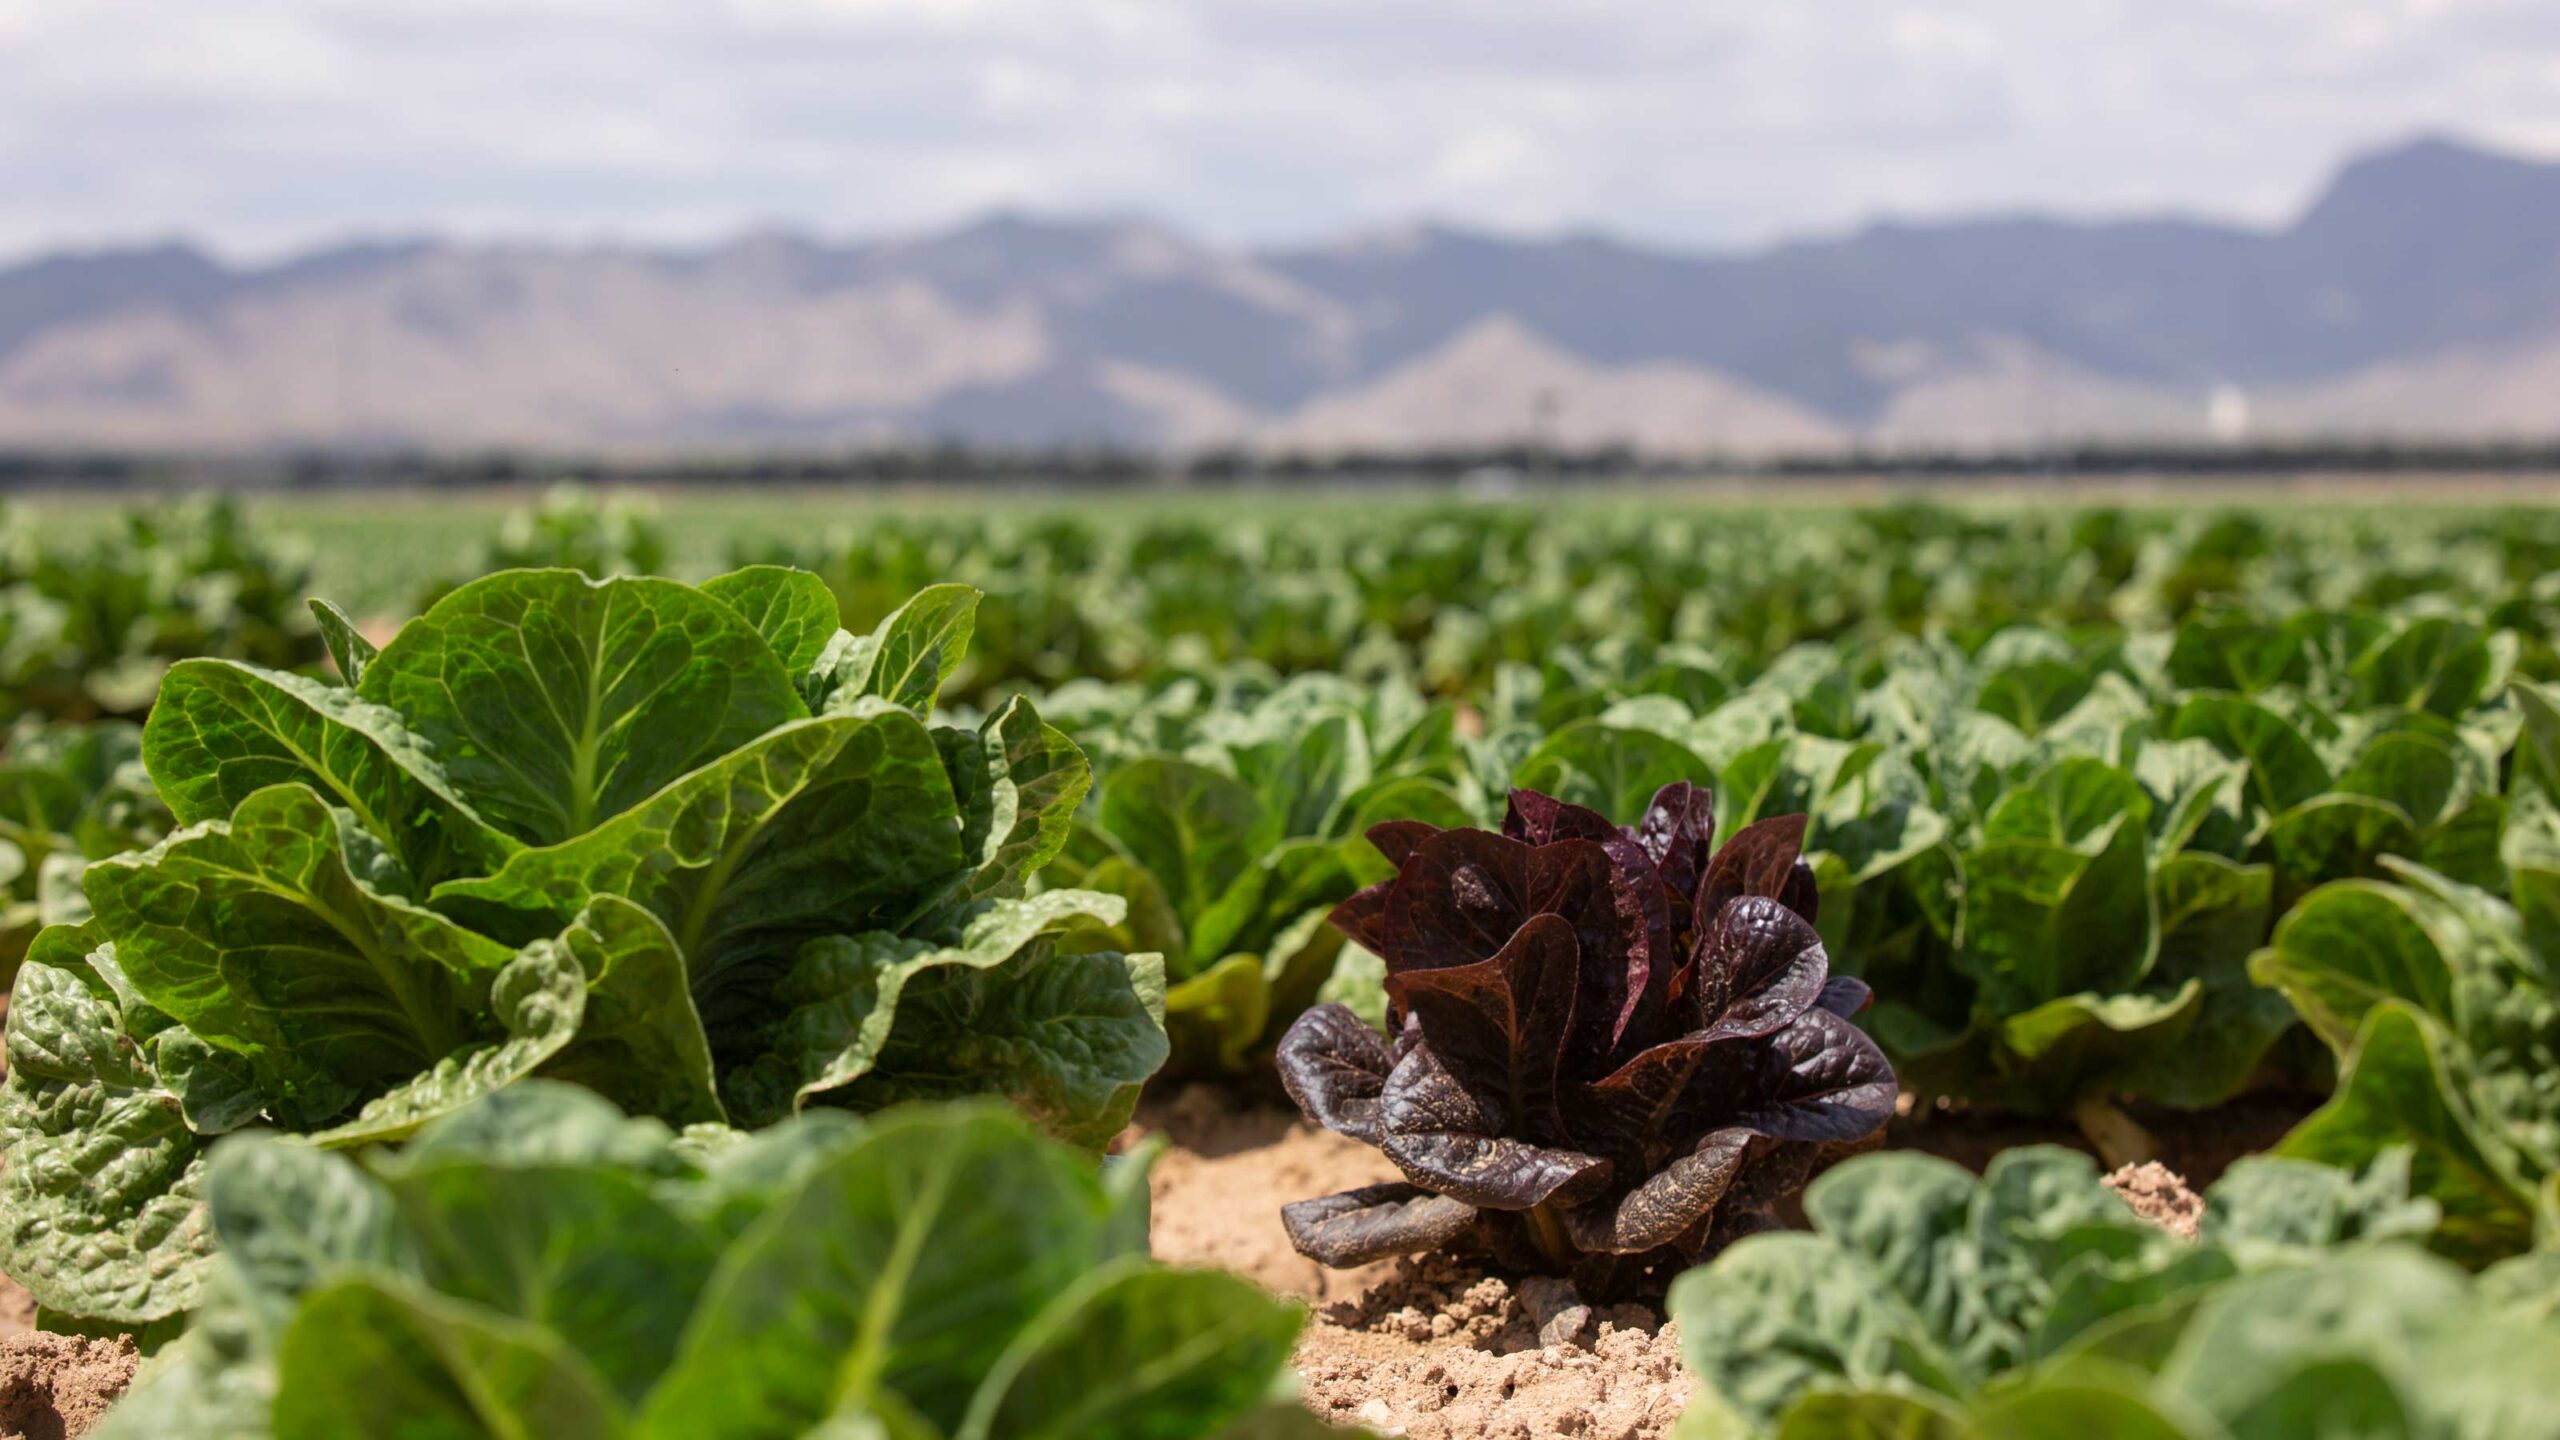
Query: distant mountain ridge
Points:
[2417, 297]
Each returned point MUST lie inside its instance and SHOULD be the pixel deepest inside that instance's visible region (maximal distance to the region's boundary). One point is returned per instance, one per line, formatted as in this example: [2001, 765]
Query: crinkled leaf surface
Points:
[102, 1175]
[222, 731]
[837, 825]
[843, 994]
[640, 1041]
[1068, 1037]
[260, 935]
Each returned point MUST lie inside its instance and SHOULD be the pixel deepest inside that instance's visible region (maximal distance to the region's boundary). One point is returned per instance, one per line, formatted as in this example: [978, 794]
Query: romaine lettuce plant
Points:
[1614, 1050]
[69, 794]
[2031, 1302]
[537, 1265]
[87, 629]
[1232, 844]
[697, 849]
[2443, 1004]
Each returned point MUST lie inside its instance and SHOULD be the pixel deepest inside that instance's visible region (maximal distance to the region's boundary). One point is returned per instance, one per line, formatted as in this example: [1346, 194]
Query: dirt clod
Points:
[2158, 1195]
[57, 1387]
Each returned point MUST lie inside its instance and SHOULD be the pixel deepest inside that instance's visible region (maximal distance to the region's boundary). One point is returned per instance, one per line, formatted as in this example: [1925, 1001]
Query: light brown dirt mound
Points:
[1438, 1351]
[1425, 1349]
[2157, 1194]
[57, 1387]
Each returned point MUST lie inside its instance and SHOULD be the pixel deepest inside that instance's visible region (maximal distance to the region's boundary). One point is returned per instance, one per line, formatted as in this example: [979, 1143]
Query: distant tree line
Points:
[1117, 466]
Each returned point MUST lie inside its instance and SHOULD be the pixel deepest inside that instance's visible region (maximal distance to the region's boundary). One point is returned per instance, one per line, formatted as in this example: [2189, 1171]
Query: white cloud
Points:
[272, 123]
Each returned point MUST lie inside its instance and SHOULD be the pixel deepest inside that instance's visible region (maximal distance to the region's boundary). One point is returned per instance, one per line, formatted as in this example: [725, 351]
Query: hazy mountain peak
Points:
[2419, 292]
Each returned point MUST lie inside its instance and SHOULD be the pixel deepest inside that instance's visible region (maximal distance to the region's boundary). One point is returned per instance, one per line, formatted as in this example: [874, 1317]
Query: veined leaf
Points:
[555, 702]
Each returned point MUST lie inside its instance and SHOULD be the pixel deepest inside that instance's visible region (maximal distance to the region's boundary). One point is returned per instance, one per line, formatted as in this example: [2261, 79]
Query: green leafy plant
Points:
[87, 628]
[69, 794]
[537, 1265]
[697, 849]
[2443, 1005]
[2031, 1302]
[1233, 840]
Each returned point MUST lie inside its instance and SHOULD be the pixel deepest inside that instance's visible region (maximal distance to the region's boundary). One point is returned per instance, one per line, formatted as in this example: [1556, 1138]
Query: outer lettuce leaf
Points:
[222, 731]
[829, 826]
[2443, 1010]
[102, 1178]
[904, 1268]
[1205, 1344]
[557, 702]
[390, 1357]
[536, 1265]
[1931, 1300]
[260, 935]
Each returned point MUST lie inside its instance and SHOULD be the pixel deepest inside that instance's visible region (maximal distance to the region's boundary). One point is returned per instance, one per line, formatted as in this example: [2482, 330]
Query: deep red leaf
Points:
[1500, 1025]
[1453, 1142]
[1759, 965]
[1334, 1066]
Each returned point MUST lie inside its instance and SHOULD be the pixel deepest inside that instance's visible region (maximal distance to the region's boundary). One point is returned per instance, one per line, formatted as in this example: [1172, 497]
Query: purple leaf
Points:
[1758, 965]
[1677, 829]
[1677, 1199]
[1456, 901]
[1543, 820]
[1452, 1143]
[1334, 1066]
[1397, 839]
[1500, 1025]
[1374, 1222]
[1821, 1078]
[1362, 916]
[1759, 860]
[1846, 995]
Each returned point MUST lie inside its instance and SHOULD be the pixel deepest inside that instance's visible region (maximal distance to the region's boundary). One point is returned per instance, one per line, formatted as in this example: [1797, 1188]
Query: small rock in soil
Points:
[1556, 1308]
[2158, 1195]
[58, 1387]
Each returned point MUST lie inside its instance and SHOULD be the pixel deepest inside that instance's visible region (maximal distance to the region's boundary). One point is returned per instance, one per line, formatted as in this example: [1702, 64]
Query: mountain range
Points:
[2416, 297]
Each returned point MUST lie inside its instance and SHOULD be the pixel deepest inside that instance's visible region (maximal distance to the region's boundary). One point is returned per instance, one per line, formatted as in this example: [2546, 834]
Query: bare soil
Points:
[1429, 1349]
[57, 1387]
[1435, 1349]
[17, 1308]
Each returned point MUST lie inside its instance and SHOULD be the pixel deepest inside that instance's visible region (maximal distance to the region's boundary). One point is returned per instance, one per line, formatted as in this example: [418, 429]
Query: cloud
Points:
[266, 124]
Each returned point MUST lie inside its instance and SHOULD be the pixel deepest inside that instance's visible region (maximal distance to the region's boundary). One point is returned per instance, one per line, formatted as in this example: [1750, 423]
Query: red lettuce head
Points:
[1613, 1047]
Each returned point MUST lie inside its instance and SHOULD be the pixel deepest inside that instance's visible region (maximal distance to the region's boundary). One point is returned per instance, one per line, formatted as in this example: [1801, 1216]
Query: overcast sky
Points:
[264, 125]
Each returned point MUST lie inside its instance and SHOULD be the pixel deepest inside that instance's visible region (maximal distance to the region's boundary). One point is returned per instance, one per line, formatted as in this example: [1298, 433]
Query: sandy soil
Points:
[1436, 1350]
[57, 1387]
[17, 1308]
[1428, 1349]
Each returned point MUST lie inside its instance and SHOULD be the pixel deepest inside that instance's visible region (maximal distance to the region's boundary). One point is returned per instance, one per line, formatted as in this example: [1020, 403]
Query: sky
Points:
[265, 126]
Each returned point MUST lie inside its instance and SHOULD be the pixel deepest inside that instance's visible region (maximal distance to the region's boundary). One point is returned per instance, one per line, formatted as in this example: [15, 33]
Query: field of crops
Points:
[1613, 968]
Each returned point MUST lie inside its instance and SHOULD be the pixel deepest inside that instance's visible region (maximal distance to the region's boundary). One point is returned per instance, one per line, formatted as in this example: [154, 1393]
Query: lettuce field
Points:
[1606, 967]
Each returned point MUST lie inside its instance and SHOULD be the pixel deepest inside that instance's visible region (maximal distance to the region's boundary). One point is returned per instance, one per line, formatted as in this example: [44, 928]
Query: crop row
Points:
[2067, 815]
